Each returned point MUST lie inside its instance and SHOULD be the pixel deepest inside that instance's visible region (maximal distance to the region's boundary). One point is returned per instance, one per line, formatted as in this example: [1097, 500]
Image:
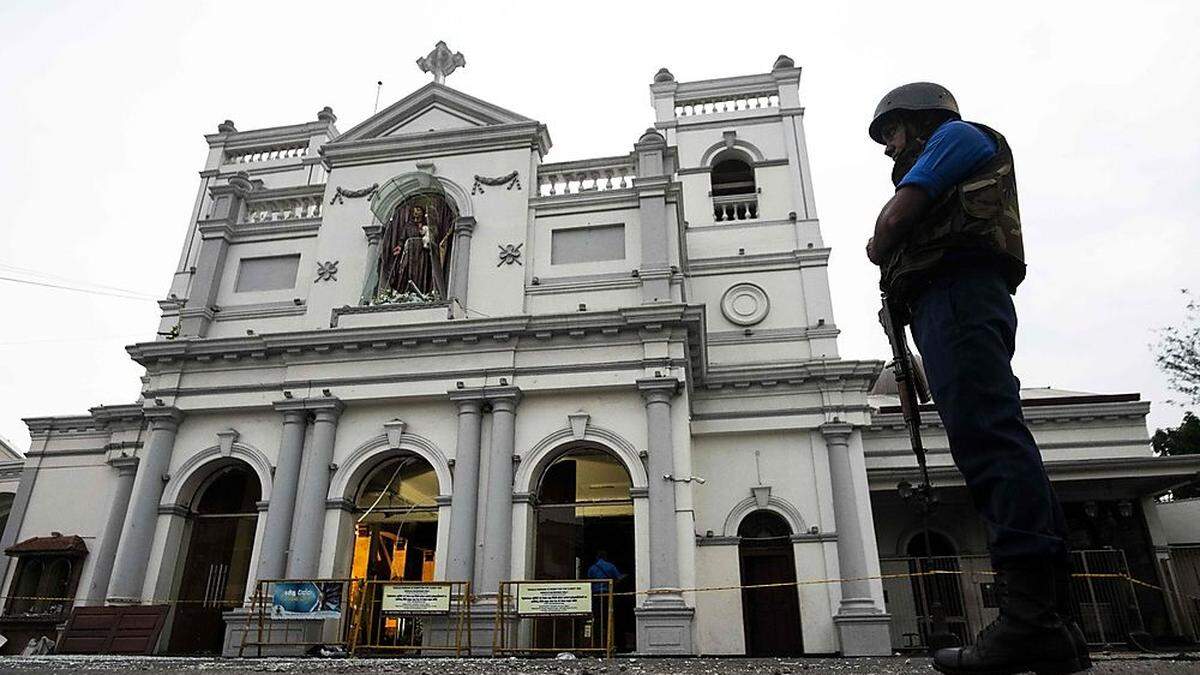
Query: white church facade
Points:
[416, 349]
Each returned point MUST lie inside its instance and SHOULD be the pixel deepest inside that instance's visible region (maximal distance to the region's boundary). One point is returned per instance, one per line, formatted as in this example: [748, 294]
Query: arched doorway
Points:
[224, 515]
[770, 616]
[585, 512]
[930, 551]
[395, 535]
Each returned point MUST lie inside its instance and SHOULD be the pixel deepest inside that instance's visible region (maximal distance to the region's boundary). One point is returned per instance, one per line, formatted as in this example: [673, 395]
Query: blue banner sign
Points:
[306, 600]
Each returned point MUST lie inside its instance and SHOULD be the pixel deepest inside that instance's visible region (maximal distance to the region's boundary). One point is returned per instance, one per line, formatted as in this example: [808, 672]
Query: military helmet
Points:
[914, 96]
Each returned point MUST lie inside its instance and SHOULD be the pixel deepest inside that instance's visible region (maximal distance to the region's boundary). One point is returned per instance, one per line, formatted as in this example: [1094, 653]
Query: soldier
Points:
[949, 247]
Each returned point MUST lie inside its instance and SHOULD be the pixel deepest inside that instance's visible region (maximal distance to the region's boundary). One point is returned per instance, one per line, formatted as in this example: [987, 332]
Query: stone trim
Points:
[344, 310]
[261, 310]
[774, 504]
[343, 480]
[766, 335]
[716, 540]
[759, 262]
[582, 283]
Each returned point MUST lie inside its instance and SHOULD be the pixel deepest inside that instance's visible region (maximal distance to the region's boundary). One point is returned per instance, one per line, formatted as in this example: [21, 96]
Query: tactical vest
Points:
[978, 218]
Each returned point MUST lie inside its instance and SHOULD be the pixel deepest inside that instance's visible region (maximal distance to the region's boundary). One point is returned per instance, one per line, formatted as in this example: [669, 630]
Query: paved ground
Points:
[1121, 663]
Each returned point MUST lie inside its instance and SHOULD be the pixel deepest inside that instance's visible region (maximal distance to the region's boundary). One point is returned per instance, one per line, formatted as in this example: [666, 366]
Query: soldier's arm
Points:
[899, 214]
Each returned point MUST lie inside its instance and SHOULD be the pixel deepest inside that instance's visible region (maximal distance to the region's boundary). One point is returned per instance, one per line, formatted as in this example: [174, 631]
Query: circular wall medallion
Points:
[745, 304]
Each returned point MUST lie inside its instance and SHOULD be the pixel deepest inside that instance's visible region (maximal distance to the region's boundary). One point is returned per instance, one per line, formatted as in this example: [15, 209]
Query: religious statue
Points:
[415, 251]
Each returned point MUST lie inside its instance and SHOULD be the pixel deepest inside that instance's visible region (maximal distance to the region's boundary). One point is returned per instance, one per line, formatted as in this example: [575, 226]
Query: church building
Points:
[416, 349]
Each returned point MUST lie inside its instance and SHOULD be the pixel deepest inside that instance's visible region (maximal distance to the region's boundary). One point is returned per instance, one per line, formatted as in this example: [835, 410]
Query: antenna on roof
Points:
[378, 88]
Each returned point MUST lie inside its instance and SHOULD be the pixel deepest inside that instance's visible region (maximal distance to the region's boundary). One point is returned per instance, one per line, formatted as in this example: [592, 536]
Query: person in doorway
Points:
[603, 569]
[949, 247]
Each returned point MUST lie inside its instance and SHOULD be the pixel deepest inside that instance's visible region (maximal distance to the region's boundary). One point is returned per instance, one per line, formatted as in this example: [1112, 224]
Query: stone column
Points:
[137, 533]
[653, 180]
[371, 279]
[308, 525]
[495, 563]
[862, 625]
[460, 259]
[460, 558]
[272, 556]
[106, 555]
[216, 231]
[664, 622]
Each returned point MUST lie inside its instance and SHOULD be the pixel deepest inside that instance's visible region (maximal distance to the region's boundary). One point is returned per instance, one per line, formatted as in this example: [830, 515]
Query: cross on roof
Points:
[441, 62]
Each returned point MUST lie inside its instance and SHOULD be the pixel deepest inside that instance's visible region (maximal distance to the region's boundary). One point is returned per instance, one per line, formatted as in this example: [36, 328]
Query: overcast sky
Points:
[105, 105]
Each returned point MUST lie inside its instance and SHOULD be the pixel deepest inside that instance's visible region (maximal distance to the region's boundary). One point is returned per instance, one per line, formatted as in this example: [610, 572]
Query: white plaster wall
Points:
[1180, 521]
[719, 624]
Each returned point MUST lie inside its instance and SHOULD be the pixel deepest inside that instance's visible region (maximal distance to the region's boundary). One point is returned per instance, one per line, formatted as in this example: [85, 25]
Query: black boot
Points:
[1064, 606]
[1027, 636]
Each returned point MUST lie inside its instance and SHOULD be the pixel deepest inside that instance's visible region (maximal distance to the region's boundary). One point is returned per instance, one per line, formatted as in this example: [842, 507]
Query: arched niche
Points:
[362, 460]
[393, 192]
[533, 464]
[738, 149]
[192, 474]
[775, 504]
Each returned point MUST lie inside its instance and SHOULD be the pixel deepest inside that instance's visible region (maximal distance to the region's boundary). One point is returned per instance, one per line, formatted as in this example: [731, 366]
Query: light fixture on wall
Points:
[287, 394]
[1125, 508]
[326, 392]
[1090, 509]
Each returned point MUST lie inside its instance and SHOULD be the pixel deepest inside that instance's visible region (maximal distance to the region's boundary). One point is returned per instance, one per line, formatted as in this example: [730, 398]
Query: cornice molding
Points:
[500, 329]
[520, 135]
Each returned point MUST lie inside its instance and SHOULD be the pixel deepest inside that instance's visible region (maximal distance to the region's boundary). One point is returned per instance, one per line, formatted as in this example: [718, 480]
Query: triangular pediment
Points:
[434, 107]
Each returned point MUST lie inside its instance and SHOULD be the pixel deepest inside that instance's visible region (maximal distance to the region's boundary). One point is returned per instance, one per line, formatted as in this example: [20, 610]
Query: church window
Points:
[587, 244]
[734, 191]
[271, 273]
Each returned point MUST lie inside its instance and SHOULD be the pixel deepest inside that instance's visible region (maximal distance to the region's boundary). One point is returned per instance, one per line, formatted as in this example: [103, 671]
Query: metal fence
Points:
[1181, 575]
[538, 617]
[413, 617]
[1104, 599]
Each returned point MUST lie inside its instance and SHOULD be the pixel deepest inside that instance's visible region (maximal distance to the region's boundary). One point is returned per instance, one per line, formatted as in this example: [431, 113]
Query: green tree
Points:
[1181, 440]
[1178, 352]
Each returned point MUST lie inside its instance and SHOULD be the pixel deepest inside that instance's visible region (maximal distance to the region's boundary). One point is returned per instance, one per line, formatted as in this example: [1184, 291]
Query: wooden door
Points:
[770, 616]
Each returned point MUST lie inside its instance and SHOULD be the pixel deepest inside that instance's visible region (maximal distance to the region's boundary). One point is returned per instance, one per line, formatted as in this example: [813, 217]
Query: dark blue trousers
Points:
[965, 326]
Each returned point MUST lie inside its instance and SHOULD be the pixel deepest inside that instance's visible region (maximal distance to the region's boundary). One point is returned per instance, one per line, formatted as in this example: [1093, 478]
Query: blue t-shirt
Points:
[602, 569]
[954, 151]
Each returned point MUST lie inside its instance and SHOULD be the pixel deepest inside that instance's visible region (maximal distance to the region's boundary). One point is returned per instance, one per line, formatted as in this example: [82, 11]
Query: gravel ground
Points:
[1117, 663]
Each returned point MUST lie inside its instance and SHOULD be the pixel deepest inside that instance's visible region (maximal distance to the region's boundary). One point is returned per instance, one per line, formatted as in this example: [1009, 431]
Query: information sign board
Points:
[554, 598]
[416, 599]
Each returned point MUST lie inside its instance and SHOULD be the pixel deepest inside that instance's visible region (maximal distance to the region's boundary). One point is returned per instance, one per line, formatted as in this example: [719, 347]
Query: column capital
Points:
[837, 433]
[373, 232]
[163, 417]
[472, 405]
[125, 466]
[327, 405]
[464, 225]
[658, 389]
[503, 398]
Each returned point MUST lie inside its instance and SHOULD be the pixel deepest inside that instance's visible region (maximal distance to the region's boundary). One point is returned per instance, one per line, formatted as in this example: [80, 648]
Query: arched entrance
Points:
[395, 533]
[770, 616]
[217, 566]
[584, 512]
[930, 551]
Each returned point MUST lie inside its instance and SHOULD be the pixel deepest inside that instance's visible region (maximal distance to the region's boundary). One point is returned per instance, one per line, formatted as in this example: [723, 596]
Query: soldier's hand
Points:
[872, 254]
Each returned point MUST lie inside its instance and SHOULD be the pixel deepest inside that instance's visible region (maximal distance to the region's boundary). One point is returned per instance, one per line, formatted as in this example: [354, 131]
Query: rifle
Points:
[913, 391]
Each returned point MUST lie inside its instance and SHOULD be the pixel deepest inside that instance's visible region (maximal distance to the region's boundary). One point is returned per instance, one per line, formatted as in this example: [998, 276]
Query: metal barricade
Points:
[537, 617]
[414, 617]
[289, 617]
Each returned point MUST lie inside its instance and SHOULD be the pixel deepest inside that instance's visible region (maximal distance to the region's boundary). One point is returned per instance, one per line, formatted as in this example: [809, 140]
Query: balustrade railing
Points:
[588, 175]
[283, 208]
[720, 104]
[247, 156]
[735, 207]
